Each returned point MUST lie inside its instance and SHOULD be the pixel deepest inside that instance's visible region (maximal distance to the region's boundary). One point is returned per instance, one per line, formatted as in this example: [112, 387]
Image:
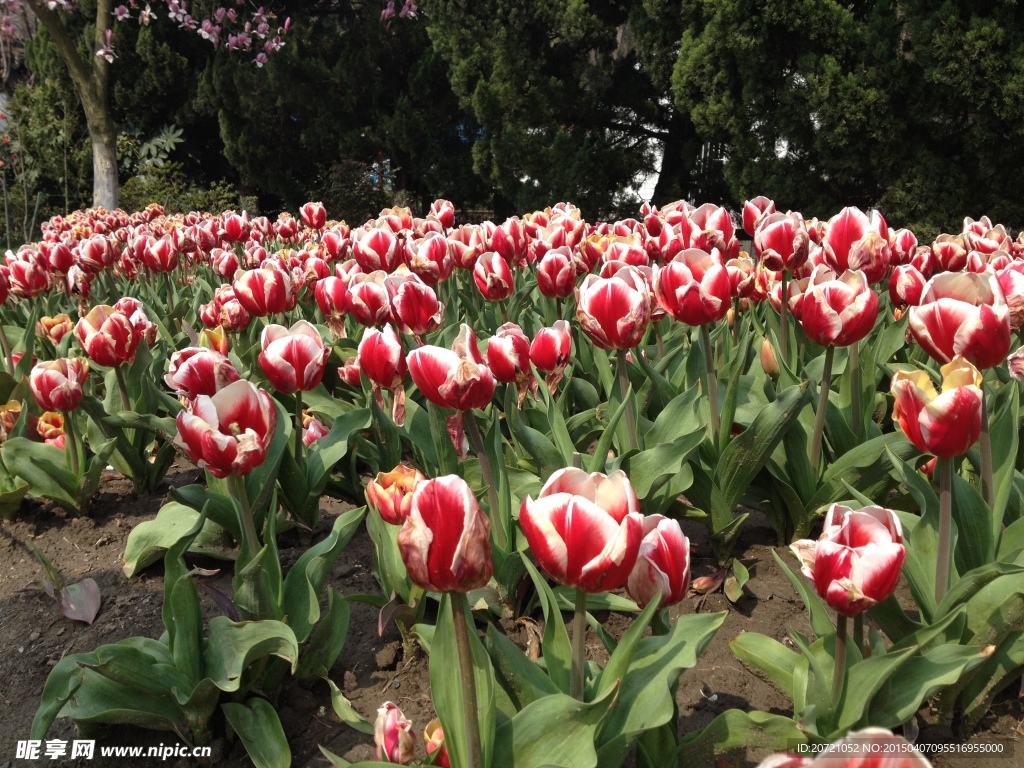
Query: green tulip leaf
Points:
[232, 646]
[306, 579]
[258, 726]
[556, 649]
[150, 540]
[768, 657]
[735, 728]
[556, 730]
[327, 640]
[346, 712]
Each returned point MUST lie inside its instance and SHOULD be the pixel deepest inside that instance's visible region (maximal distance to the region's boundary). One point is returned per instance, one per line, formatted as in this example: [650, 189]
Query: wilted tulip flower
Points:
[390, 493]
[493, 277]
[946, 424]
[694, 287]
[662, 564]
[57, 384]
[963, 313]
[314, 215]
[856, 562]
[392, 733]
[453, 378]
[838, 310]
[584, 530]
[445, 540]
[54, 328]
[197, 371]
[228, 433]
[856, 240]
[293, 359]
[265, 291]
[614, 312]
[433, 741]
[753, 211]
[107, 336]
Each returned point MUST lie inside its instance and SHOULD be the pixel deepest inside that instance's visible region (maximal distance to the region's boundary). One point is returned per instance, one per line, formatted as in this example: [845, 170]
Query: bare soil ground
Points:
[371, 669]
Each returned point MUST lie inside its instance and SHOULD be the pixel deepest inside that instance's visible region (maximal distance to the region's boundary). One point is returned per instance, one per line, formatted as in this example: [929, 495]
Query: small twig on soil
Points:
[405, 666]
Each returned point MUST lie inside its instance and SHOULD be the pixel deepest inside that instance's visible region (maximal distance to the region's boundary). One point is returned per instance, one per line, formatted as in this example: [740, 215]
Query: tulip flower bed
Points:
[526, 424]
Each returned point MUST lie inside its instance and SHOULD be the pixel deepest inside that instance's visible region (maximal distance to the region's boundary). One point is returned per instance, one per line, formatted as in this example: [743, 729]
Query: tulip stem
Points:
[858, 635]
[945, 527]
[709, 365]
[122, 385]
[579, 645]
[854, 363]
[250, 539]
[298, 427]
[819, 416]
[6, 345]
[735, 320]
[71, 443]
[783, 321]
[629, 416]
[497, 525]
[985, 446]
[462, 617]
[839, 670]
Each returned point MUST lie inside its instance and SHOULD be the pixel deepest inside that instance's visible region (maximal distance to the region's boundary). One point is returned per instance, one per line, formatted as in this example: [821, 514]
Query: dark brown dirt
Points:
[371, 669]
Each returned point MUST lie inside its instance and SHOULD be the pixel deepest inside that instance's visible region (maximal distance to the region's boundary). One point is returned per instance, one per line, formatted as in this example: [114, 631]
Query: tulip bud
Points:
[50, 427]
[390, 493]
[769, 362]
[54, 328]
[215, 339]
[433, 741]
[445, 541]
[392, 733]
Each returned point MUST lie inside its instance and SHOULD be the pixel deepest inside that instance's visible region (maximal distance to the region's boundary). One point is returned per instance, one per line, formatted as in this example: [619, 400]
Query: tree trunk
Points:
[91, 79]
[104, 159]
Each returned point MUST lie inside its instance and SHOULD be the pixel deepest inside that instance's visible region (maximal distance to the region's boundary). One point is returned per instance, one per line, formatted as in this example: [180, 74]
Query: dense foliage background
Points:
[912, 107]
